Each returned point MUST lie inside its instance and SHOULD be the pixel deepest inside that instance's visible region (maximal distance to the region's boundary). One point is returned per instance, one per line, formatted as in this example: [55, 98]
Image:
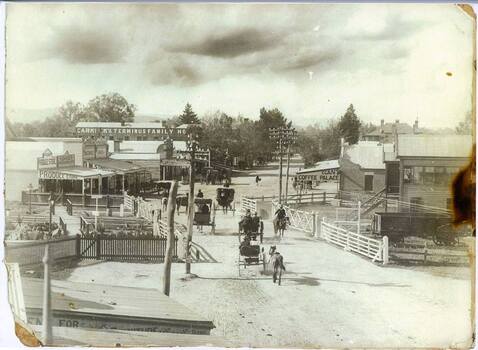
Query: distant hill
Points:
[150, 118]
[25, 115]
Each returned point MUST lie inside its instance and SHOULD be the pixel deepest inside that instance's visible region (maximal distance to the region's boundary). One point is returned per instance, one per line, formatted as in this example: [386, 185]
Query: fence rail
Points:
[105, 247]
[374, 249]
[32, 252]
[248, 204]
[77, 200]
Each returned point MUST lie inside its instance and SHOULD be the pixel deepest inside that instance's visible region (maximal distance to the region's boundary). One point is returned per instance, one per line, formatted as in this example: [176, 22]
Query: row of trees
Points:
[316, 143]
[241, 137]
[110, 107]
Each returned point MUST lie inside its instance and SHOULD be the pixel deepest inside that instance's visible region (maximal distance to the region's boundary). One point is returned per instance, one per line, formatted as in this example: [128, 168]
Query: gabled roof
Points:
[448, 146]
[366, 154]
[388, 128]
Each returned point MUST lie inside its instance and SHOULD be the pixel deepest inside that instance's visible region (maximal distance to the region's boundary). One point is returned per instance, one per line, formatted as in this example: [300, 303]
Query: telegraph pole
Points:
[284, 136]
[192, 145]
[287, 174]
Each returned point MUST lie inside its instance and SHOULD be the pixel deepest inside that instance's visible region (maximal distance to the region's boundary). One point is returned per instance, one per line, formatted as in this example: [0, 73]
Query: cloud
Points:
[233, 44]
[171, 69]
[86, 45]
[309, 59]
[384, 26]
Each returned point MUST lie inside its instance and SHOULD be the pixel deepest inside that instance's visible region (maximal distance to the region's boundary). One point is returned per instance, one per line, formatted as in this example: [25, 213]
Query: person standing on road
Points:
[258, 179]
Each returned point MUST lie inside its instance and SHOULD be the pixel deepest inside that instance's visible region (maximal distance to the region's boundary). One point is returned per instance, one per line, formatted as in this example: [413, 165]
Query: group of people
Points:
[251, 223]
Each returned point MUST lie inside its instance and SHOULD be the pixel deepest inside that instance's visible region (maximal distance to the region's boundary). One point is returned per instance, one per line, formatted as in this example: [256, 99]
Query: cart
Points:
[250, 253]
[204, 215]
[252, 229]
[224, 198]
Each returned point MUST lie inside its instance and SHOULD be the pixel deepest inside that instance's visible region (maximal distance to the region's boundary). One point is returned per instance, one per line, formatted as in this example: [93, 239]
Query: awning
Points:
[73, 173]
[119, 166]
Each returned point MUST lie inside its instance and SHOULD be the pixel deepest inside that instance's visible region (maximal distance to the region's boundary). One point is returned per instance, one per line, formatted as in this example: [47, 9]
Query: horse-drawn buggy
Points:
[398, 226]
[202, 214]
[250, 253]
[224, 198]
[251, 227]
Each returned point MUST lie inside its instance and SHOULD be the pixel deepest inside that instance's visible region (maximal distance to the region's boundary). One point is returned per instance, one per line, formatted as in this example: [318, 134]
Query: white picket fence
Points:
[248, 204]
[374, 249]
[299, 219]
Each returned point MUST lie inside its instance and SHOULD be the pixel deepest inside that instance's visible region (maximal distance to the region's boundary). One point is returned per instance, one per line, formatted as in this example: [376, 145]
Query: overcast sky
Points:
[310, 61]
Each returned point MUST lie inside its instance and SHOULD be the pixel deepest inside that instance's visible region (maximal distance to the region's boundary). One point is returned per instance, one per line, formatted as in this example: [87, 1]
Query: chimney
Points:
[382, 123]
[415, 126]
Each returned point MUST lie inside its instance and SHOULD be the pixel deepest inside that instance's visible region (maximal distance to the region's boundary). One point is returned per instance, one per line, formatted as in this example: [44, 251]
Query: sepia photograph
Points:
[230, 175]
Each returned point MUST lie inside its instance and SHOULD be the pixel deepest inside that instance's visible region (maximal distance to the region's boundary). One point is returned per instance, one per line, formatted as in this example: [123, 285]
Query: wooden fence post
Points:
[170, 240]
[78, 246]
[47, 316]
[385, 250]
[98, 246]
[314, 224]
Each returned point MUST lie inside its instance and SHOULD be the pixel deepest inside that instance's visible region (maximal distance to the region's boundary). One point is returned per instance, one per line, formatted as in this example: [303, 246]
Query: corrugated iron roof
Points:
[113, 164]
[449, 146]
[323, 165]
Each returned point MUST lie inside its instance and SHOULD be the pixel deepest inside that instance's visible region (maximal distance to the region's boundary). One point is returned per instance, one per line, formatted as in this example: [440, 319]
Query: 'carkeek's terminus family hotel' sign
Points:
[131, 131]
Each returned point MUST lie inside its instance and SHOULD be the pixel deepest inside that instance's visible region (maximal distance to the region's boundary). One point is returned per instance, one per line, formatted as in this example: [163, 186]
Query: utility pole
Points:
[170, 240]
[192, 145]
[287, 174]
[284, 136]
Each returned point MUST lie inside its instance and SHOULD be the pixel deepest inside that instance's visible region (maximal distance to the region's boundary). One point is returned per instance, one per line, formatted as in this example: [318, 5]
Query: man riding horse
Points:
[280, 220]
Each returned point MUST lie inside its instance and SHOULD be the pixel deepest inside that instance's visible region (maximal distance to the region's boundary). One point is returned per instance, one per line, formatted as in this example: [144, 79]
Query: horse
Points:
[277, 261]
[280, 225]
[181, 201]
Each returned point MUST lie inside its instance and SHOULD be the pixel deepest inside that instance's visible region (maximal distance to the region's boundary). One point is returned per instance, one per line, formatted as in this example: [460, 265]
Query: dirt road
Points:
[328, 297]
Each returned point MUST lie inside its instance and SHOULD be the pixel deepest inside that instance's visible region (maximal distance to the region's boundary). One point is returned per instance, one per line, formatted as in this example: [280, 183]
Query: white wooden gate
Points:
[374, 249]
[247, 203]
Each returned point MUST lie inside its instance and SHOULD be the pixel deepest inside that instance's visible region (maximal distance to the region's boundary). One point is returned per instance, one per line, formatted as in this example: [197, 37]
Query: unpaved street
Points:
[328, 298]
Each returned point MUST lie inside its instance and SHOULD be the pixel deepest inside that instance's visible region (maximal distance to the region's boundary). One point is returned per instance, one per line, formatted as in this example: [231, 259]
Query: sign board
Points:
[101, 151]
[89, 151]
[46, 174]
[65, 160]
[98, 321]
[131, 130]
[327, 175]
[46, 163]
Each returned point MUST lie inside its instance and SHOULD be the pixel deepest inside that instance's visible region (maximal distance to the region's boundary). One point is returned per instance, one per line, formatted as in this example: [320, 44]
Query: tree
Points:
[349, 126]
[308, 145]
[330, 141]
[110, 107]
[272, 118]
[464, 127]
[188, 116]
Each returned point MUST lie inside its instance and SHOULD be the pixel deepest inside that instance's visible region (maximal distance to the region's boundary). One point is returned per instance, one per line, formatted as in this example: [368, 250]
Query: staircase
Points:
[369, 204]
